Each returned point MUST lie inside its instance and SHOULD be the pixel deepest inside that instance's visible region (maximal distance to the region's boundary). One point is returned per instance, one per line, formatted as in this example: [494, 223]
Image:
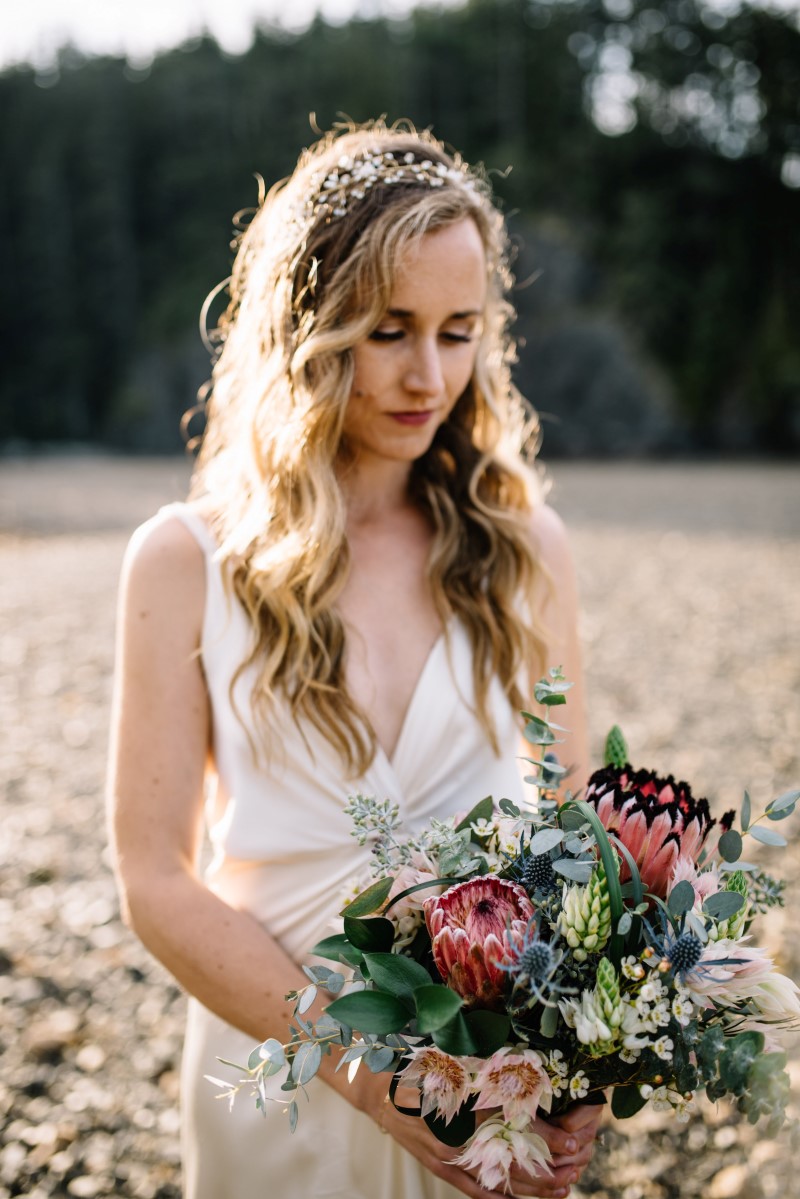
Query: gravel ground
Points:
[691, 588]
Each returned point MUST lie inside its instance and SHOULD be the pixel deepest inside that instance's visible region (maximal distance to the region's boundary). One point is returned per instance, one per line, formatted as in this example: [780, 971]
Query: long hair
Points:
[305, 288]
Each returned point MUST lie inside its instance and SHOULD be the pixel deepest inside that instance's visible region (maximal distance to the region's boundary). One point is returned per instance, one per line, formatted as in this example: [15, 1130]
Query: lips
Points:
[412, 418]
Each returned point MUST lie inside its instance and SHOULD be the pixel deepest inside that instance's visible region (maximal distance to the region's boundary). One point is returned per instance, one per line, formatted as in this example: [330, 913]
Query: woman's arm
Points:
[556, 603]
[159, 748]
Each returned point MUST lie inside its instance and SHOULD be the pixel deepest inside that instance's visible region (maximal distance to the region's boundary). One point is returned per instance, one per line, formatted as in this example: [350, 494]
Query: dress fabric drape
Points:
[283, 850]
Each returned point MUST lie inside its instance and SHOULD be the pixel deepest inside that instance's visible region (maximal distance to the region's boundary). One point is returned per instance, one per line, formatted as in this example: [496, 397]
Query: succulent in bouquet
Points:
[517, 961]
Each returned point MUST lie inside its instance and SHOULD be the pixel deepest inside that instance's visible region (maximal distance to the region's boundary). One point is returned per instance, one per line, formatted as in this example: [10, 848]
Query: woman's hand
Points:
[570, 1139]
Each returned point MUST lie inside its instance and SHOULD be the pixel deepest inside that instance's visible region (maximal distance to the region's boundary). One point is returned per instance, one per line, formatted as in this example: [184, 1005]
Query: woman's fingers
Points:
[582, 1116]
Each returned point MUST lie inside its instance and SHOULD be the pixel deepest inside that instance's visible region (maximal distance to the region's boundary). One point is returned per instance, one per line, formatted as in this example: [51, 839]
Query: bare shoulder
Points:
[164, 571]
[551, 540]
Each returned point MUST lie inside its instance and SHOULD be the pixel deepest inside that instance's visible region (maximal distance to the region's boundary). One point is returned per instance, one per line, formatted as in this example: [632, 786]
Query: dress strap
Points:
[194, 522]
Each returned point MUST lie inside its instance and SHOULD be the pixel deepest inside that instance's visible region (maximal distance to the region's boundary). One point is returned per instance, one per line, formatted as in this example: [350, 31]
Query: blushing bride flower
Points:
[445, 1082]
[473, 927]
[499, 1145]
[657, 820]
[514, 1080]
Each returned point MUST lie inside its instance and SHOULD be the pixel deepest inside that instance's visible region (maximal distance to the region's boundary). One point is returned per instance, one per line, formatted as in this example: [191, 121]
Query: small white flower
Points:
[579, 1085]
[664, 1047]
[629, 1056]
[682, 1009]
[631, 968]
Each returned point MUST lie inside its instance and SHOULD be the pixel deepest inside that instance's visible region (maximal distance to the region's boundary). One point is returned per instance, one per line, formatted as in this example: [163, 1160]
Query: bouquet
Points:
[515, 962]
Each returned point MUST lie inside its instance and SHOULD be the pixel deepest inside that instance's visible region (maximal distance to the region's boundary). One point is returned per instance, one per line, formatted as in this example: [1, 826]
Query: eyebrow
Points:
[404, 314]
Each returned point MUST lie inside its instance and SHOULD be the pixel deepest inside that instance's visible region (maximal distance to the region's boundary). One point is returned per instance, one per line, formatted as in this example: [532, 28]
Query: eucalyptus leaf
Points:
[293, 1114]
[335, 982]
[508, 808]
[624, 924]
[730, 845]
[271, 1051]
[306, 1062]
[767, 836]
[681, 898]
[329, 1029]
[571, 820]
[780, 813]
[787, 800]
[746, 808]
[379, 1058]
[538, 732]
[306, 1000]
[548, 1025]
[723, 904]
[545, 840]
[577, 872]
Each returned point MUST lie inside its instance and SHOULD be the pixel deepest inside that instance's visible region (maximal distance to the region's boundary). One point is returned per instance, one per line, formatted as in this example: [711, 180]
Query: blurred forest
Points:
[654, 199]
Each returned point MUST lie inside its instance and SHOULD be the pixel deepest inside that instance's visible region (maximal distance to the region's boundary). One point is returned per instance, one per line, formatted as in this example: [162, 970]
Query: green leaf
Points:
[626, 1102]
[370, 900]
[782, 814]
[455, 1038]
[379, 1058]
[436, 1006]
[489, 1031]
[306, 1000]
[723, 905]
[457, 1132]
[637, 890]
[372, 934]
[570, 820]
[545, 840]
[615, 752]
[433, 882]
[767, 836]
[730, 845]
[681, 898]
[787, 800]
[538, 732]
[271, 1051]
[337, 947]
[483, 810]
[625, 922]
[306, 1062]
[736, 1059]
[508, 808]
[746, 807]
[548, 1025]
[551, 701]
[293, 1113]
[576, 872]
[398, 975]
[370, 1011]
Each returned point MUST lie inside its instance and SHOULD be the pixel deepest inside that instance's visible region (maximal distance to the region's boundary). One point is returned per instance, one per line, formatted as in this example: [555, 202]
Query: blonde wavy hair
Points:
[302, 294]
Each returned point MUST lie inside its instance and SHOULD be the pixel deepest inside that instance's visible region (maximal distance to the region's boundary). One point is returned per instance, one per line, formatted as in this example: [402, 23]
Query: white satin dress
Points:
[283, 851]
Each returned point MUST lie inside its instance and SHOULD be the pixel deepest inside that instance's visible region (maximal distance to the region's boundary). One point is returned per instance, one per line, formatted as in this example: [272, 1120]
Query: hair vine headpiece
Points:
[333, 192]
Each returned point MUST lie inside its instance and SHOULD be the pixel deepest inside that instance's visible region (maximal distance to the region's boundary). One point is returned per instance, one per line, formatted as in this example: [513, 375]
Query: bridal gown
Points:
[282, 850]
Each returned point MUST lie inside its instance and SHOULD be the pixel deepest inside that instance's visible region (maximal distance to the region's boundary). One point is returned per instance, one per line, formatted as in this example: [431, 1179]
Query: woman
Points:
[356, 598]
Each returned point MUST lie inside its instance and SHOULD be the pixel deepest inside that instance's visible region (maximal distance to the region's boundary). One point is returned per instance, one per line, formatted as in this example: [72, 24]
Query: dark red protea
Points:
[657, 820]
[473, 927]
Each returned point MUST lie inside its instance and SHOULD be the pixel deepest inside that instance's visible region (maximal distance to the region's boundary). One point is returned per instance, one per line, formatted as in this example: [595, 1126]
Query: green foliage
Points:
[616, 748]
[370, 1012]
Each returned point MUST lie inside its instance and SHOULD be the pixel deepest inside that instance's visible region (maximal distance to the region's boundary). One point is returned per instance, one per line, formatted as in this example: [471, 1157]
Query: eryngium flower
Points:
[473, 927]
[657, 820]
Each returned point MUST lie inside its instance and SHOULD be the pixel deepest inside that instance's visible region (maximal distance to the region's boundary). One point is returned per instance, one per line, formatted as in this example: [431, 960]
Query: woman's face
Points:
[412, 369]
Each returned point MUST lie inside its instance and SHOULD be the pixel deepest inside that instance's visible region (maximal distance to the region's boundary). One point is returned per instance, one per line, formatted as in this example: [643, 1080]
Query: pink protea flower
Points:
[517, 1082]
[657, 820]
[445, 1082]
[499, 1145]
[705, 882]
[728, 970]
[473, 927]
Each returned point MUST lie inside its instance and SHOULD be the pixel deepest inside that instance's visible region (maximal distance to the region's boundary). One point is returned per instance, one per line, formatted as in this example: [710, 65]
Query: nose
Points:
[424, 375]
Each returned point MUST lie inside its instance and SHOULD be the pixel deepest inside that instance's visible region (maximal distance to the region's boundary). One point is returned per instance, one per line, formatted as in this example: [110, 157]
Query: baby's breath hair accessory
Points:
[334, 192]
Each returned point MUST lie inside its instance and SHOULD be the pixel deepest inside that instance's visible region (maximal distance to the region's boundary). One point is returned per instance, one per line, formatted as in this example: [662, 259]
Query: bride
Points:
[357, 597]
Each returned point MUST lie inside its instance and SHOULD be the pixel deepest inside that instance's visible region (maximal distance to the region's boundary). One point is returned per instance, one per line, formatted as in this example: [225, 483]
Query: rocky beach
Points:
[690, 583]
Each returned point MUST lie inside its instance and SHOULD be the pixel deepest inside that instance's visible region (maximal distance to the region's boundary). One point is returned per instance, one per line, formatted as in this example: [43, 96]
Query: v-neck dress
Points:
[283, 850]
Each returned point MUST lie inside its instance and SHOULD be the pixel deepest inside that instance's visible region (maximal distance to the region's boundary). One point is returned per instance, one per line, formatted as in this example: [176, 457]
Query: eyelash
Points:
[398, 334]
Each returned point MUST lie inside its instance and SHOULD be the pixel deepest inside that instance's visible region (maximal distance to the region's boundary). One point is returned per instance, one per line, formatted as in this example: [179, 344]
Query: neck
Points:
[374, 489]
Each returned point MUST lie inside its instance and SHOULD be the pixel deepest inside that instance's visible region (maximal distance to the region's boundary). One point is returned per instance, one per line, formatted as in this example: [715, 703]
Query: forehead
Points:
[445, 268]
